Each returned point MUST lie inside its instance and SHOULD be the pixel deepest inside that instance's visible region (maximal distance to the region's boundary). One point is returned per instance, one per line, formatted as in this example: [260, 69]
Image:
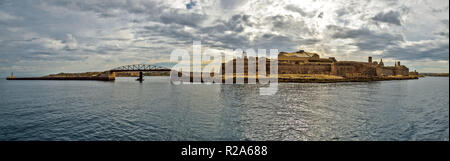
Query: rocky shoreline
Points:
[318, 79]
[300, 80]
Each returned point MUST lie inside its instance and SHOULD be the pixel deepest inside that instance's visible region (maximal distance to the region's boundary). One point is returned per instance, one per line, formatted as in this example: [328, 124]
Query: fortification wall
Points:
[353, 69]
[306, 68]
[392, 71]
[401, 70]
[385, 71]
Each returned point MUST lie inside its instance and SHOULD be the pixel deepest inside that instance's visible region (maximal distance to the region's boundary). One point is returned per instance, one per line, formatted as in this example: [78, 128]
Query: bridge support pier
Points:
[141, 77]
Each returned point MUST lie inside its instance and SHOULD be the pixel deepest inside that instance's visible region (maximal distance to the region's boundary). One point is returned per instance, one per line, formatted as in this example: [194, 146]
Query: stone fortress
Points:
[295, 66]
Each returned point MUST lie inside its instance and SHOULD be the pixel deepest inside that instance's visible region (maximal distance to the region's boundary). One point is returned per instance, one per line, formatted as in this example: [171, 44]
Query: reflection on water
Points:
[157, 110]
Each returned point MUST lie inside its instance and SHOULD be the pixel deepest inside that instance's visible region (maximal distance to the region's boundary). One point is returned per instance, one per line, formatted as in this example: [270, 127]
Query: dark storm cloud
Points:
[226, 33]
[280, 21]
[391, 17]
[182, 18]
[365, 39]
[436, 51]
[235, 24]
[170, 30]
[390, 44]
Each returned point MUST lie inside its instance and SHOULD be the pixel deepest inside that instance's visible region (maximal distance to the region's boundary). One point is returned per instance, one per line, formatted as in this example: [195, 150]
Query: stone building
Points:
[302, 62]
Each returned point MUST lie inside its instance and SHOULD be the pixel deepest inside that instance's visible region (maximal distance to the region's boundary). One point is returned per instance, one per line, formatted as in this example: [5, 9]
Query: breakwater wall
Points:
[64, 78]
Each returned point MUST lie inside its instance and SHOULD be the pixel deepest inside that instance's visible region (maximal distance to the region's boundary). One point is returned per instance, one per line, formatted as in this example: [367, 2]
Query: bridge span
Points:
[138, 68]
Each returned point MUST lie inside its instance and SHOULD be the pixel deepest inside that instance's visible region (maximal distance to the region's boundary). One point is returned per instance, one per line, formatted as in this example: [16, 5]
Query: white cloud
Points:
[71, 43]
[51, 43]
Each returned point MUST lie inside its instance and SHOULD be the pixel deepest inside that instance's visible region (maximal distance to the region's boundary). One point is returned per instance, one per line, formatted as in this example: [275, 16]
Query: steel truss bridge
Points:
[139, 68]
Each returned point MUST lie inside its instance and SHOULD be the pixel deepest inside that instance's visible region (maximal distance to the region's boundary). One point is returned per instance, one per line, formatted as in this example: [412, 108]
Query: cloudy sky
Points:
[39, 37]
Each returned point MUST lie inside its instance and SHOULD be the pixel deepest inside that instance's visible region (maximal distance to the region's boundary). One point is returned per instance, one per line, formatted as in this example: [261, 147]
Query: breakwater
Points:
[99, 76]
[64, 78]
